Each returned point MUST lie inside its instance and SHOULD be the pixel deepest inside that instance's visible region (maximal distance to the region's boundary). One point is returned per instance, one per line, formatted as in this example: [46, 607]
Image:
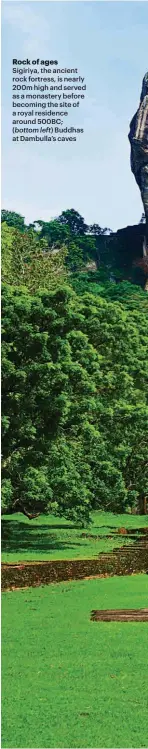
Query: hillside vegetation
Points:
[75, 366]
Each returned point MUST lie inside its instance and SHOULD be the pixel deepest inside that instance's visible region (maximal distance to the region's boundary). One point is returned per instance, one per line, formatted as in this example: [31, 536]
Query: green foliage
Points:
[47, 392]
[7, 262]
[74, 222]
[69, 229]
[54, 232]
[75, 259]
[6, 494]
[131, 296]
[115, 254]
[93, 282]
[75, 413]
[74, 401]
[34, 488]
[26, 260]
[13, 219]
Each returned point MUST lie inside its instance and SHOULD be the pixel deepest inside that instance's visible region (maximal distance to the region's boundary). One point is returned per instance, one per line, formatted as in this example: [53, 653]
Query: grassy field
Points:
[69, 682]
[54, 538]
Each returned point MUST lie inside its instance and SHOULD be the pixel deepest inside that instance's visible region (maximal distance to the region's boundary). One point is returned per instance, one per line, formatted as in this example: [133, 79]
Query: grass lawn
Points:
[69, 682]
[50, 537]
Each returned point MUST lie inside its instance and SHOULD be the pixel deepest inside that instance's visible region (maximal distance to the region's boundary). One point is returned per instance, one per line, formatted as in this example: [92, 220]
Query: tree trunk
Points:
[142, 505]
[19, 508]
[29, 514]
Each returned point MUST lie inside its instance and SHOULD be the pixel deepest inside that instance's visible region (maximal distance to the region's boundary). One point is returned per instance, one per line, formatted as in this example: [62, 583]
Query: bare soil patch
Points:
[120, 615]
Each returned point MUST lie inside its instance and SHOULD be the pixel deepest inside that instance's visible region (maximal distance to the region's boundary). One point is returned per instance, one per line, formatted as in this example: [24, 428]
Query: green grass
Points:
[69, 682]
[54, 538]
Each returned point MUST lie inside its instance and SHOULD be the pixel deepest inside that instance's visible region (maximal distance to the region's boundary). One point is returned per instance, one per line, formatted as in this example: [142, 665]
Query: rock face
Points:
[138, 137]
[122, 251]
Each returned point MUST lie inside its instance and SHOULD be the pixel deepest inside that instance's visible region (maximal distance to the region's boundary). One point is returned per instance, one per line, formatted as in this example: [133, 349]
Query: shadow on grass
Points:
[18, 536]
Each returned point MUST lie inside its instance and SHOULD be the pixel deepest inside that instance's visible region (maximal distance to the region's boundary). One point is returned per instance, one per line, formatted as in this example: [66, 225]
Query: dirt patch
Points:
[124, 561]
[120, 615]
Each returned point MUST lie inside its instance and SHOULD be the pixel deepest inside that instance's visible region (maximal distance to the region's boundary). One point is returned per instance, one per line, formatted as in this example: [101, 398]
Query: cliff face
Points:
[138, 137]
[122, 252]
[129, 253]
[126, 251]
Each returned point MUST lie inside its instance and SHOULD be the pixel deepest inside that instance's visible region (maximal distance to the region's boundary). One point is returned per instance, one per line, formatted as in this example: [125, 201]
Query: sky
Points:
[107, 42]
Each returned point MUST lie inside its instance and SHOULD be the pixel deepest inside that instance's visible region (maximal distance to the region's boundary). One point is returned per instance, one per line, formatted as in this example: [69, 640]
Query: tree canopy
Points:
[74, 402]
[13, 219]
[75, 368]
[27, 261]
[117, 254]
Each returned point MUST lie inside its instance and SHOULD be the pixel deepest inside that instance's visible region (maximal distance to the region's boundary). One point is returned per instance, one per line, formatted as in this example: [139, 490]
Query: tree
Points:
[7, 240]
[121, 338]
[27, 261]
[13, 219]
[69, 230]
[47, 392]
[75, 258]
[74, 402]
[74, 221]
[97, 231]
[53, 232]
